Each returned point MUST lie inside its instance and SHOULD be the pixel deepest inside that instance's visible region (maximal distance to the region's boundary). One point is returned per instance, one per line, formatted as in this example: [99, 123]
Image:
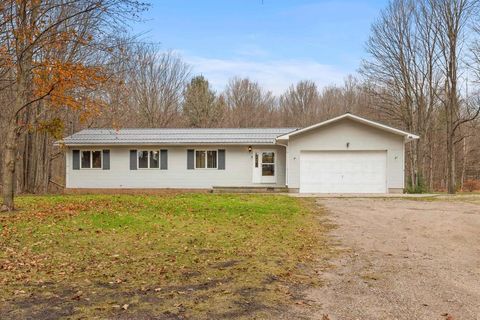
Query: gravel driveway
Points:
[402, 259]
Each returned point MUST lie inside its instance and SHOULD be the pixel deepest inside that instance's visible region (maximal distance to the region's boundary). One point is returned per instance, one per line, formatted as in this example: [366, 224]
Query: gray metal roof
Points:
[189, 136]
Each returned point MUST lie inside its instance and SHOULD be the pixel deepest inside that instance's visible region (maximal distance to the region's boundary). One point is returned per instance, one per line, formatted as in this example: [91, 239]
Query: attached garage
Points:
[343, 172]
[347, 154]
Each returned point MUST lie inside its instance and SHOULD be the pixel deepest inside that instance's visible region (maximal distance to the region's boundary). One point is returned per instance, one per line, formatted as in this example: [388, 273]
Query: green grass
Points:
[191, 255]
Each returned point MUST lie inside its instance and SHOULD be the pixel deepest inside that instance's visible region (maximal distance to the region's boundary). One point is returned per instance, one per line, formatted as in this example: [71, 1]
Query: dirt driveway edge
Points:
[402, 259]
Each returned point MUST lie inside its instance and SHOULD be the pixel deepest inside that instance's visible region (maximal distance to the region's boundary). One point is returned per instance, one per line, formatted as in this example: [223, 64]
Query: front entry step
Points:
[249, 189]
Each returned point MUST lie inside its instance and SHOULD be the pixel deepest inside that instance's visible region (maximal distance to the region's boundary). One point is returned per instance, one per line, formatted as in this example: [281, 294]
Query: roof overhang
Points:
[407, 136]
[147, 143]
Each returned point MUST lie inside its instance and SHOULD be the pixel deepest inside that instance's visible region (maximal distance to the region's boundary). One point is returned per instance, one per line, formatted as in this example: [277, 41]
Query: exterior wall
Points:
[237, 173]
[395, 190]
[334, 137]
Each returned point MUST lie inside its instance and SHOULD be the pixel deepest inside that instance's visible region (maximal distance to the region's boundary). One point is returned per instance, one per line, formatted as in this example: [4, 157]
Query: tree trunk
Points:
[430, 167]
[9, 168]
[464, 163]
[413, 167]
[451, 179]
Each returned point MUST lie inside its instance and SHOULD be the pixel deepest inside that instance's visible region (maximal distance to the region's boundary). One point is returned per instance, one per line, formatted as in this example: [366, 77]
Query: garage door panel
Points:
[343, 172]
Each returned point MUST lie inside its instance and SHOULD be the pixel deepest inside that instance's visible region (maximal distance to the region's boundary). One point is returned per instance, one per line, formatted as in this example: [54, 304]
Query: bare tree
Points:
[156, 83]
[248, 104]
[402, 73]
[452, 19]
[300, 104]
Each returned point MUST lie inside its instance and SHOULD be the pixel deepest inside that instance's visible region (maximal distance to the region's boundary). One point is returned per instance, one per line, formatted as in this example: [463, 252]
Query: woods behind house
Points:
[71, 65]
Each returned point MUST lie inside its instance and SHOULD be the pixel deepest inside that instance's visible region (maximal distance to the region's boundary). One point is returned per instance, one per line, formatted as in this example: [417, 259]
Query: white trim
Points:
[286, 162]
[91, 159]
[206, 159]
[274, 178]
[408, 136]
[383, 151]
[173, 144]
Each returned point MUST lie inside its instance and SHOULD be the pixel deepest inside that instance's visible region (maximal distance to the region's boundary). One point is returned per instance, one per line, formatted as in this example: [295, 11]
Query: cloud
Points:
[273, 75]
[252, 51]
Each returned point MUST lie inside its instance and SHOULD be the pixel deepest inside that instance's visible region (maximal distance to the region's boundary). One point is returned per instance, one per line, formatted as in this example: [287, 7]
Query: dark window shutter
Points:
[106, 159]
[221, 159]
[190, 159]
[133, 159]
[76, 159]
[163, 159]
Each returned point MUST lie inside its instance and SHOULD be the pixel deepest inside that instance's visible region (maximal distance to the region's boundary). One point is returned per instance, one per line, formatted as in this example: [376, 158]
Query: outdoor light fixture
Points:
[249, 148]
[348, 144]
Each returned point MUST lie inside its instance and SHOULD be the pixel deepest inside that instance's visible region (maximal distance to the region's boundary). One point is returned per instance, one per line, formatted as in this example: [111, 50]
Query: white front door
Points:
[264, 166]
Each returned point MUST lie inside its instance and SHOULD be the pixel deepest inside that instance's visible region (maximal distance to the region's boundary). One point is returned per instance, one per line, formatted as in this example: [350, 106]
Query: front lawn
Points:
[173, 256]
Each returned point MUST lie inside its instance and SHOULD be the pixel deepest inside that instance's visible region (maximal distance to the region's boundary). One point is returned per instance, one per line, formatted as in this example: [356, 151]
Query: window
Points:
[154, 159]
[206, 159]
[91, 159]
[148, 159]
[200, 159]
[268, 164]
[86, 159]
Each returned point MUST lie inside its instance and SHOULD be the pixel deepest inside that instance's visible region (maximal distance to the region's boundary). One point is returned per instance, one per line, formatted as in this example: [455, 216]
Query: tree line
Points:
[71, 65]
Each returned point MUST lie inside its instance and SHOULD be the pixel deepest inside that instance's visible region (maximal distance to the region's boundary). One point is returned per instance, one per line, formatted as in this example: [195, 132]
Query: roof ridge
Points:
[186, 128]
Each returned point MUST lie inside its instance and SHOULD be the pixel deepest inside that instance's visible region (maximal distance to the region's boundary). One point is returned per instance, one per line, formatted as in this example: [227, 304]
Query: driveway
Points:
[402, 259]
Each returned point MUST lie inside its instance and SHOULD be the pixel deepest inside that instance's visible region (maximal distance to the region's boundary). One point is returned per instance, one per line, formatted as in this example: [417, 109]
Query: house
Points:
[346, 154]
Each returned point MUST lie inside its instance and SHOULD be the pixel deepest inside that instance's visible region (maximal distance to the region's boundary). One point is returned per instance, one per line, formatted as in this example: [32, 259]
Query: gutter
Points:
[126, 144]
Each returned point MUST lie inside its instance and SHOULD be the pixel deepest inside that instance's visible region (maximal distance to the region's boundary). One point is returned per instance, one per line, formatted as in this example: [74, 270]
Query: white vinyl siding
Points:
[359, 137]
[237, 173]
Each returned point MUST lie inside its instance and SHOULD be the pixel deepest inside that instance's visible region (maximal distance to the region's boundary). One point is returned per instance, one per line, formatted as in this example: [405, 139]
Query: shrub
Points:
[420, 188]
[471, 185]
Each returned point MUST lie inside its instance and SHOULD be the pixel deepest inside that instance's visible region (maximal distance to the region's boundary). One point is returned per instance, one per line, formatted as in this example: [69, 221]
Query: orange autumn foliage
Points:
[72, 85]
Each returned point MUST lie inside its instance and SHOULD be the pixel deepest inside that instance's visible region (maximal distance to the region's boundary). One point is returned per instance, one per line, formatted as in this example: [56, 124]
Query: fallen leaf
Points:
[77, 295]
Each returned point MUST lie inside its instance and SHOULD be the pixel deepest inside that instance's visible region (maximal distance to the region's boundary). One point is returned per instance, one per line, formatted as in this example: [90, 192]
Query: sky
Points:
[274, 42]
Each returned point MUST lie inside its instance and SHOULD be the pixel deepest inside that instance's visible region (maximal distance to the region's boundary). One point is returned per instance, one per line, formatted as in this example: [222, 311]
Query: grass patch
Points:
[191, 255]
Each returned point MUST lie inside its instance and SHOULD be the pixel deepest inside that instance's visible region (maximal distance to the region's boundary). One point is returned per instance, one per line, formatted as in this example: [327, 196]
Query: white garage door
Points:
[343, 172]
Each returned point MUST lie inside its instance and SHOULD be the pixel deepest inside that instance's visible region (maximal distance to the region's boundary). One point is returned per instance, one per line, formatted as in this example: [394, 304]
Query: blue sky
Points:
[277, 42]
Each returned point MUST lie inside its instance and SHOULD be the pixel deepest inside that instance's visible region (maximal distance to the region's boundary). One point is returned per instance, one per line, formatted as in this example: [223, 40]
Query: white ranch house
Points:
[347, 154]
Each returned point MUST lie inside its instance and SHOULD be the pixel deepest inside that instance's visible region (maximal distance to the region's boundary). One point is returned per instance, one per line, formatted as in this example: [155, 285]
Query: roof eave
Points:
[261, 143]
[411, 137]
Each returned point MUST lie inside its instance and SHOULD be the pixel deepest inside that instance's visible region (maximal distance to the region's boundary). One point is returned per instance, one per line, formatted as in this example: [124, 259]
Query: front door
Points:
[264, 166]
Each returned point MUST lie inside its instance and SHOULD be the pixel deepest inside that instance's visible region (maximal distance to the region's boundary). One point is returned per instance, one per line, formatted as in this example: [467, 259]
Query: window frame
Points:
[148, 159]
[206, 159]
[91, 151]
